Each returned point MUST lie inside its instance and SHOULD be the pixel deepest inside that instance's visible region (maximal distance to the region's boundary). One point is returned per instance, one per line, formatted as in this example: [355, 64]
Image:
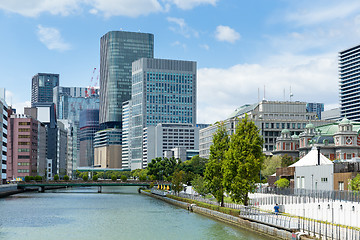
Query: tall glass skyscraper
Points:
[118, 49]
[163, 91]
[349, 80]
[42, 87]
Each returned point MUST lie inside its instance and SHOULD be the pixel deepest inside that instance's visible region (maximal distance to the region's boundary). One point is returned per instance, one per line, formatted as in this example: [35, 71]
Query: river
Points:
[116, 213]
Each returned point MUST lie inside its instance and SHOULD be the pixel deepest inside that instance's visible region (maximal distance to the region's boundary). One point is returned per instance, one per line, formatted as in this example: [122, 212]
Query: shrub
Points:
[282, 183]
[38, 178]
[66, 178]
[56, 177]
[85, 177]
[95, 178]
[27, 178]
[123, 178]
[32, 178]
[113, 178]
[151, 185]
[142, 178]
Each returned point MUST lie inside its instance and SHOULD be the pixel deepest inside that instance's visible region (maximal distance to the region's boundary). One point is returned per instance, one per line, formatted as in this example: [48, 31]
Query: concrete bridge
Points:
[42, 186]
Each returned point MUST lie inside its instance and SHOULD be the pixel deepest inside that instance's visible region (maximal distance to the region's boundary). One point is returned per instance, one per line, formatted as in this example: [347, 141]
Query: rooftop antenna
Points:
[264, 93]
[291, 94]
[284, 95]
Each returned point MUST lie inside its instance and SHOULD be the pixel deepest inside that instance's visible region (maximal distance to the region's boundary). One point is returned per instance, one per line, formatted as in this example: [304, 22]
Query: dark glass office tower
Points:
[42, 87]
[118, 49]
[349, 75]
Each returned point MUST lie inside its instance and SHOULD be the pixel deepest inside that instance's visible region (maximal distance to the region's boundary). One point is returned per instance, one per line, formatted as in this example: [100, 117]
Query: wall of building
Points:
[341, 180]
[108, 156]
[319, 177]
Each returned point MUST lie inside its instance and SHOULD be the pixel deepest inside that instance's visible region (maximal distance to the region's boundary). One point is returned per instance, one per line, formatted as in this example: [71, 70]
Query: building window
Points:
[341, 186]
[324, 179]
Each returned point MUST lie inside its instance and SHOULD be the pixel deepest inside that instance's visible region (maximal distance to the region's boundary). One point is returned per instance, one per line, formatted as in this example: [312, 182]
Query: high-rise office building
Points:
[42, 87]
[61, 94]
[163, 91]
[23, 147]
[118, 49]
[317, 108]
[349, 75]
[4, 118]
[89, 125]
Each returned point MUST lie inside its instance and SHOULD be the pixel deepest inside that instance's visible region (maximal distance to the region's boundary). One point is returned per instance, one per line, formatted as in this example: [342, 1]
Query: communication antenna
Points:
[284, 95]
[291, 94]
[264, 93]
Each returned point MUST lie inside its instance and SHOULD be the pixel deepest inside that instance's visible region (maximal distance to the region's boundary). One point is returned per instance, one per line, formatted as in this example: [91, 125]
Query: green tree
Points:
[243, 161]
[162, 168]
[66, 178]
[282, 183]
[270, 164]
[113, 178]
[27, 178]
[85, 177]
[177, 181]
[123, 178]
[286, 160]
[38, 178]
[56, 177]
[354, 184]
[214, 168]
[199, 185]
[95, 178]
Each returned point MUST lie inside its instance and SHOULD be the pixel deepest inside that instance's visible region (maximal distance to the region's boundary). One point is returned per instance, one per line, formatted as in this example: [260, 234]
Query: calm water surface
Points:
[117, 213]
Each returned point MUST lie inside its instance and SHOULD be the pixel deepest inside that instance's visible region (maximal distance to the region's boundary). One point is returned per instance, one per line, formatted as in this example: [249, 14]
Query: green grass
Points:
[230, 211]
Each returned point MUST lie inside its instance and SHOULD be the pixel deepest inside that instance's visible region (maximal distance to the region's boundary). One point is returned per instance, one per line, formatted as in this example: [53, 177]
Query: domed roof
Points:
[284, 131]
[345, 121]
[295, 136]
[309, 126]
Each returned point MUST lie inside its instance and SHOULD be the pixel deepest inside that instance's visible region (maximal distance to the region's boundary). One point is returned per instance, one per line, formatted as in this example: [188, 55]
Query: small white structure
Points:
[314, 172]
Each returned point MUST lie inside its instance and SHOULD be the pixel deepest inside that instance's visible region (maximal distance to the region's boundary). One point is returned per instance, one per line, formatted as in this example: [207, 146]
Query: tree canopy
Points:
[354, 184]
[214, 168]
[244, 158]
[163, 168]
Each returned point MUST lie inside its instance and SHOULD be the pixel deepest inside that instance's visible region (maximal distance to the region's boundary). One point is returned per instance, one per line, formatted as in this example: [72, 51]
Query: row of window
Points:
[284, 125]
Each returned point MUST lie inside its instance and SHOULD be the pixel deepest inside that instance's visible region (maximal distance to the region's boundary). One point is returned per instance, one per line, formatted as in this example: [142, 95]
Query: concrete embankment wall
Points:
[9, 189]
[236, 221]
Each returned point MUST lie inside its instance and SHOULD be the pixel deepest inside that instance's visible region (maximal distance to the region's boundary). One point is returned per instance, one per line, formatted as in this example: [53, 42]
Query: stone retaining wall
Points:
[236, 221]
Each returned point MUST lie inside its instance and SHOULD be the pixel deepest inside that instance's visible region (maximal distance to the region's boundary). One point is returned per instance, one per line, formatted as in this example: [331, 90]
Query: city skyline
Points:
[247, 47]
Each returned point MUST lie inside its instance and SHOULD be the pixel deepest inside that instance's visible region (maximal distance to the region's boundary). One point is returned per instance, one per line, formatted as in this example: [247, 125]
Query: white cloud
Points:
[107, 8]
[190, 4]
[177, 43]
[221, 91]
[182, 27]
[52, 39]
[324, 12]
[226, 34]
[33, 8]
[12, 100]
[205, 46]
[129, 8]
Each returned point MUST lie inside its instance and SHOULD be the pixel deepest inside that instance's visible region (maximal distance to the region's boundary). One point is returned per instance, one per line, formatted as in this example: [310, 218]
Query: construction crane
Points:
[88, 91]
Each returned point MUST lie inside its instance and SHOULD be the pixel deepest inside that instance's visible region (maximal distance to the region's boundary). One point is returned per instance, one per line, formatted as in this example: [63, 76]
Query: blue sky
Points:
[241, 47]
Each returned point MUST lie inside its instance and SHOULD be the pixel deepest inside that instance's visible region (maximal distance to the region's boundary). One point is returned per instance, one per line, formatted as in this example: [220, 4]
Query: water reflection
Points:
[118, 213]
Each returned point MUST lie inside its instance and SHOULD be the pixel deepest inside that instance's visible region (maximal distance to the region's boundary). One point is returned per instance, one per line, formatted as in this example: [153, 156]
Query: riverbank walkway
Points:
[305, 225]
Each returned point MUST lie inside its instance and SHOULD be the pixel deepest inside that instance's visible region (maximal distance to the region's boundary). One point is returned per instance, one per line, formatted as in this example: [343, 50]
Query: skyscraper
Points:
[163, 91]
[42, 87]
[118, 49]
[349, 76]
